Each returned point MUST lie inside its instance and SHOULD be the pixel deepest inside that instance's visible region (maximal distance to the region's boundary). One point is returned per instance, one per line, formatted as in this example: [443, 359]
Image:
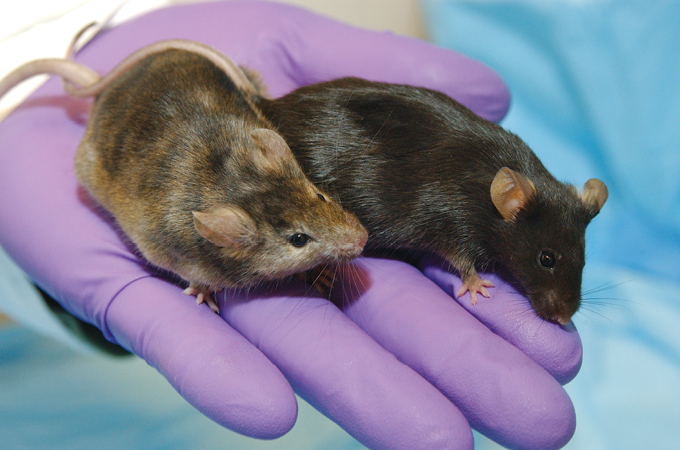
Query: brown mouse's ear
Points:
[227, 226]
[273, 146]
[510, 192]
[594, 194]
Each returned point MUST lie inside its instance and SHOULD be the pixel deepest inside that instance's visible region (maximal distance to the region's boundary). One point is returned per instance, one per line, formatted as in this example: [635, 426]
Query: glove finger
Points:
[498, 388]
[209, 363]
[508, 314]
[343, 373]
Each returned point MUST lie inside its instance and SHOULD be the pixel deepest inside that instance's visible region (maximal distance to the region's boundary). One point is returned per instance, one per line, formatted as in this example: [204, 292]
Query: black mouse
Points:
[421, 171]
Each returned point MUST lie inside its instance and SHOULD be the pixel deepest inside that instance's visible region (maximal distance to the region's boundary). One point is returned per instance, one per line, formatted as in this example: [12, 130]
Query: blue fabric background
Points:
[595, 88]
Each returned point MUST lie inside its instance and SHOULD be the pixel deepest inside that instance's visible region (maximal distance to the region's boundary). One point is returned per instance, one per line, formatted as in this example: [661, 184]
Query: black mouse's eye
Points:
[299, 239]
[547, 259]
[321, 196]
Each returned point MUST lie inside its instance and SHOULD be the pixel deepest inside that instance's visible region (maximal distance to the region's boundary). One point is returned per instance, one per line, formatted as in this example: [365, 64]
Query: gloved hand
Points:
[402, 365]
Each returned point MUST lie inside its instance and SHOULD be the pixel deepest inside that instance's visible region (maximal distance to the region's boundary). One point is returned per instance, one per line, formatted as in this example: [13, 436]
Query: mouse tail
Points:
[93, 29]
[73, 45]
[81, 81]
[73, 72]
[223, 62]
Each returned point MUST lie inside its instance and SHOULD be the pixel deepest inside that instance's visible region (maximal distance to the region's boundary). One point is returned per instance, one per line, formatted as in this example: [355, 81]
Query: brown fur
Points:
[173, 135]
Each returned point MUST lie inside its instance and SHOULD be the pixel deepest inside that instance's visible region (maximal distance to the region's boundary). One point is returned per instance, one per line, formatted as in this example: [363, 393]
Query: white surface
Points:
[34, 29]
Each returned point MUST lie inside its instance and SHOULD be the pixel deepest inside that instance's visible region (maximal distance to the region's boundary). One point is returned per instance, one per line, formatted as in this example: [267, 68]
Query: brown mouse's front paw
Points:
[321, 278]
[474, 284]
[203, 294]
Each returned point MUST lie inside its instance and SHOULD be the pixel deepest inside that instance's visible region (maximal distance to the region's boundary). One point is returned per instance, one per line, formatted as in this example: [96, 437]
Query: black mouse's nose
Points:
[562, 320]
[558, 308]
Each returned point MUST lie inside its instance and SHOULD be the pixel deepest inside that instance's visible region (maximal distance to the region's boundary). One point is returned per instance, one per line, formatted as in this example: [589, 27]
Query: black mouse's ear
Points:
[227, 226]
[594, 195]
[274, 148]
[511, 192]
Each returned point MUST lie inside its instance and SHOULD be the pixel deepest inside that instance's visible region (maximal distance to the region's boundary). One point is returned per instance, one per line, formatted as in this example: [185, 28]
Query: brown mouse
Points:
[194, 174]
[422, 171]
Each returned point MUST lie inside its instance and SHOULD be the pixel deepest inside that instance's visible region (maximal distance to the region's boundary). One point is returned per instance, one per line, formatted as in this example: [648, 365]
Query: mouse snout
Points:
[561, 319]
[354, 244]
[354, 238]
[357, 246]
[558, 310]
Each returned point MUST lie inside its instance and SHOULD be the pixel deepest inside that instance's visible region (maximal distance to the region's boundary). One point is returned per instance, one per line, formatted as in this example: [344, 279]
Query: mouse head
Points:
[278, 223]
[542, 238]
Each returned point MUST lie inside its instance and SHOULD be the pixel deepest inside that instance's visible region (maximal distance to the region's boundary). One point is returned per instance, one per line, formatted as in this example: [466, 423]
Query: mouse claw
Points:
[475, 285]
[203, 295]
[212, 304]
[191, 290]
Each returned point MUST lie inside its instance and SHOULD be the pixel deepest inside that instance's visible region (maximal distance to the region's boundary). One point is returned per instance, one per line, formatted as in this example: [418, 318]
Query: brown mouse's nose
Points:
[361, 240]
[353, 243]
[354, 247]
[356, 237]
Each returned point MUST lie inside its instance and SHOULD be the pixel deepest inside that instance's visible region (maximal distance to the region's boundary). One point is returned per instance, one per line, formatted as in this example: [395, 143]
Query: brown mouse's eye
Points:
[547, 259]
[321, 196]
[299, 239]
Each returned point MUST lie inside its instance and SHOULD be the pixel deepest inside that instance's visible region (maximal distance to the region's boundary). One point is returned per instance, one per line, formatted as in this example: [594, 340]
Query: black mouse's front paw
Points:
[474, 284]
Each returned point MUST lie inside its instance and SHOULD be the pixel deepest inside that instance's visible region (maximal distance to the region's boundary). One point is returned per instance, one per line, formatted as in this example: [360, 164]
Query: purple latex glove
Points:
[401, 366]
